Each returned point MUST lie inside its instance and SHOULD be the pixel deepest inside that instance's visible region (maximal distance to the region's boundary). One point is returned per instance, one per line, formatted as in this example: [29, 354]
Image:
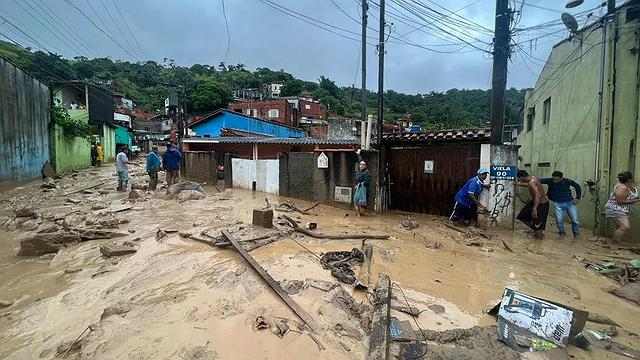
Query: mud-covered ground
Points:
[176, 298]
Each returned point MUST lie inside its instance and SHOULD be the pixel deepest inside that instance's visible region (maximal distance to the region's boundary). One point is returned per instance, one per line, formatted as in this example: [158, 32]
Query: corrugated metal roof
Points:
[259, 140]
[456, 135]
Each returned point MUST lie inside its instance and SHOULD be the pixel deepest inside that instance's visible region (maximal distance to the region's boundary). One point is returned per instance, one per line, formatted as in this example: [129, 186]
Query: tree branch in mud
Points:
[316, 235]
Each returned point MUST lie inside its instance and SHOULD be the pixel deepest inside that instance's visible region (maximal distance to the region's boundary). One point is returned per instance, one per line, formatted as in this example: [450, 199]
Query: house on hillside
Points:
[562, 130]
[280, 111]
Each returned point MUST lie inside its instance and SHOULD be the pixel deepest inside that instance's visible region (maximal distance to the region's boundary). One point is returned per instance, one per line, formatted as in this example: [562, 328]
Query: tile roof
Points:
[456, 135]
[269, 140]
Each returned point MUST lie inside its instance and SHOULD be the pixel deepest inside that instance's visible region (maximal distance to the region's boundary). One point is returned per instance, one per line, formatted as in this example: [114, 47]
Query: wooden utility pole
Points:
[363, 99]
[501, 51]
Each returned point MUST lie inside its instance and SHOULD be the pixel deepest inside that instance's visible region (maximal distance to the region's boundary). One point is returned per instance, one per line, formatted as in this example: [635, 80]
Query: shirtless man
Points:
[534, 214]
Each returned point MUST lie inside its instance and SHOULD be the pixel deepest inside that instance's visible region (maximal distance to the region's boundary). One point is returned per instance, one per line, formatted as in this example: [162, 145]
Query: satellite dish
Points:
[573, 3]
[570, 22]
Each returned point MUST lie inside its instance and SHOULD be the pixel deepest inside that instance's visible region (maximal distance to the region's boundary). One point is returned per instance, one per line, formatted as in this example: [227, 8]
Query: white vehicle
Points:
[135, 149]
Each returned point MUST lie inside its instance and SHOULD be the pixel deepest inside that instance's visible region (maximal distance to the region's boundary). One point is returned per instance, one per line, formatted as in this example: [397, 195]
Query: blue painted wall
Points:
[24, 124]
[213, 126]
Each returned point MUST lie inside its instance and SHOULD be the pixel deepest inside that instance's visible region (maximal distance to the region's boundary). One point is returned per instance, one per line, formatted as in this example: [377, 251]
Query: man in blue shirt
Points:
[153, 165]
[467, 202]
[563, 201]
[171, 163]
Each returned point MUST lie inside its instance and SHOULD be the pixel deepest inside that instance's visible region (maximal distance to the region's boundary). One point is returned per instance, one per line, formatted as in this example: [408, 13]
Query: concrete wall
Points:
[108, 143]
[24, 123]
[301, 178]
[200, 166]
[69, 153]
[567, 142]
[213, 126]
[265, 174]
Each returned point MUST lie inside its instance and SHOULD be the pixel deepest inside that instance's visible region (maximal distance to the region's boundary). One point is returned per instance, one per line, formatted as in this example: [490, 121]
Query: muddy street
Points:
[182, 293]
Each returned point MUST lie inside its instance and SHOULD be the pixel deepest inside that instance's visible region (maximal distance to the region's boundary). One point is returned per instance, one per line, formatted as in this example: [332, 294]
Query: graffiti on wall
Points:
[501, 200]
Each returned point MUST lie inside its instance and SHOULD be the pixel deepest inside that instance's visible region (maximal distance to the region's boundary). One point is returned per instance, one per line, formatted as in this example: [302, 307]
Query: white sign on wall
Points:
[428, 166]
[323, 161]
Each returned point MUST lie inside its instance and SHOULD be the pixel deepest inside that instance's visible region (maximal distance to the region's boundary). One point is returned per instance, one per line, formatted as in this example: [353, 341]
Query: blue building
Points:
[217, 122]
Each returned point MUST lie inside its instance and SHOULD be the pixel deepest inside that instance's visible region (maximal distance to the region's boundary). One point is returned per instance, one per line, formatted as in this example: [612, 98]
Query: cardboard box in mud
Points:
[521, 315]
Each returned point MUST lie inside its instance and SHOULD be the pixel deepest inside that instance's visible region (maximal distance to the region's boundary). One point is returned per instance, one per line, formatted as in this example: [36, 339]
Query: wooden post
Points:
[379, 340]
[364, 277]
[272, 282]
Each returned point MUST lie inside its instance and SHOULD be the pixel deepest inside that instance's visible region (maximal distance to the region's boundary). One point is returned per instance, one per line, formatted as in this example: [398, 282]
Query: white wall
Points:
[266, 174]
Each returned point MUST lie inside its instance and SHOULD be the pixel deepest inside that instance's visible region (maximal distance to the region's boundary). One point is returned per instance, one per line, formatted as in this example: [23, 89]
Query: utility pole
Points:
[501, 50]
[381, 167]
[363, 115]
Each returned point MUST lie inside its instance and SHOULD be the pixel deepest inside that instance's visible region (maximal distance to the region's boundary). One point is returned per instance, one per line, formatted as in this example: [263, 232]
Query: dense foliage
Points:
[71, 127]
[208, 88]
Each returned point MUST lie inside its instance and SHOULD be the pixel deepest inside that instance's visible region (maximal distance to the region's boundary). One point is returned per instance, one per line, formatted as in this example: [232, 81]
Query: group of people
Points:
[97, 154]
[171, 160]
[534, 214]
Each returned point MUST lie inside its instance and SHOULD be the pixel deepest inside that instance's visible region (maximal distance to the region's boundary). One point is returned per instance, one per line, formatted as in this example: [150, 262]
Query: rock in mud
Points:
[292, 287]
[116, 250]
[72, 270]
[139, 187]
[629, 291]
[29, 225]
[187, 195]
[73, 201]
[48, 183]
[475, 242]
[436, 308]
[434, 245]
[46, 243]
[25, 212]
[48, 228]
[409, 224]
[136, 194]
[5, 303]
[99, 206]
[117, 309]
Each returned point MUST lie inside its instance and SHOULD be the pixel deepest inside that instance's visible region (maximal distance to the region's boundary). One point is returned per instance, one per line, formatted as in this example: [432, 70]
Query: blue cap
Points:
[483, 170]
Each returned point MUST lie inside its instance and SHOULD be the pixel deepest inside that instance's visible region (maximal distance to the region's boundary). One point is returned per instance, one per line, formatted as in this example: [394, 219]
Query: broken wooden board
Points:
[364, 276]
[271, 282]
[379, 339]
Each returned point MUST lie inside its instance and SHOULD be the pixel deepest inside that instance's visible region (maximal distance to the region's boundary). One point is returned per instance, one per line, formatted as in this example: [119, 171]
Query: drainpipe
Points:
[363, 134]
[603, 52]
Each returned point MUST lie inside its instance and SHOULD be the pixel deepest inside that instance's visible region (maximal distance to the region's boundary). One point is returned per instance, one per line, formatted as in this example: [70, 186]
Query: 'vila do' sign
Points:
[503, 172]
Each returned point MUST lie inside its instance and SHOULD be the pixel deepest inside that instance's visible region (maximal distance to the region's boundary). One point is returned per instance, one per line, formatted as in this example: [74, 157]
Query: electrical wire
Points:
[415, 319]
[345, 13]
[226, 23]
[126, 38]
[126, 23]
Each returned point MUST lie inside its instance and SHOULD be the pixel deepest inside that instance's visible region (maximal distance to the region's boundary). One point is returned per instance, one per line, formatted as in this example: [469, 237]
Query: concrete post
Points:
[369, 130]
[501, 199]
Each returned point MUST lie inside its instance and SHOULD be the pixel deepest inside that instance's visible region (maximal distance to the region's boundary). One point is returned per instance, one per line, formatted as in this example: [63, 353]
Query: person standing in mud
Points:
[535, 212]
[363, 179]
[153, 166]
[620, 204]
[559, 191]
[171, 163]
[94, 155]
[122, 168]
[467, 199]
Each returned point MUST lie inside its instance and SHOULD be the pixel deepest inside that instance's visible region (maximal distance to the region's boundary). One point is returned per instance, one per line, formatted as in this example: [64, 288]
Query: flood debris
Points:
[359, 310]
[5, 303]
[341, 264]
[434, 245]
[401, 331]
[292, 287]
[316, 235]
[600, 319]
[475, 242]
[120, 308]
[364, 276]
[409, 224]
[49, 183]
[116, 250]
[341, 330]
[629, 291]
[380, 322]
[45, 243]
[25, 212]
[188, 195]
[136, 194]
[263, 218]
[320, 284]
[411, 310]
[175, 189]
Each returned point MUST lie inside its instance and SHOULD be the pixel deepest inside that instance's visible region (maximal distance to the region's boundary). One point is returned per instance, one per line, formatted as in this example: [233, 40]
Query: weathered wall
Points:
[501, 199]
[567, 142]
[265, 174]
[108, 143]
[301, 178]
[200, 166]
[69, 153]
[24, 123]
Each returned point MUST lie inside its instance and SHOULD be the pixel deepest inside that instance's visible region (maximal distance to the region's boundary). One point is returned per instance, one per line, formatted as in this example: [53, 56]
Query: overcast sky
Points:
[194, 31]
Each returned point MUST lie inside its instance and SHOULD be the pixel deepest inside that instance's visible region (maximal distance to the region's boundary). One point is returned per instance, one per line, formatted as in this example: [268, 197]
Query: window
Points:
[544, 165]
[546, 107]
[527, 165]
[252, 112]
[531, 114]
[307, 106]
[274, 113]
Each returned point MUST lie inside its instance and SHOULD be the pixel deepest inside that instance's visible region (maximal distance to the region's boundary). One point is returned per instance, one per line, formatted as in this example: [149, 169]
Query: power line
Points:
[226, 23]
[126, 23]
[42, 47]
[117, 26]
[345, 13]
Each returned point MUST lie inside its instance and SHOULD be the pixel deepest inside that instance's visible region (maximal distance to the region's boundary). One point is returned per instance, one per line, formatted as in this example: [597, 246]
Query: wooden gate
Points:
[412, 189]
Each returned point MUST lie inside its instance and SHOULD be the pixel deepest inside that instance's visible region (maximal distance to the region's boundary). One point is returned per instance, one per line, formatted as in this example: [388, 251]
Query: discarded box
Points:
[521, 316]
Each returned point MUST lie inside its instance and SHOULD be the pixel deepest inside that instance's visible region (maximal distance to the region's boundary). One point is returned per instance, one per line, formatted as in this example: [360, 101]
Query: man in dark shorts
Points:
[534, 214]
[467, 203]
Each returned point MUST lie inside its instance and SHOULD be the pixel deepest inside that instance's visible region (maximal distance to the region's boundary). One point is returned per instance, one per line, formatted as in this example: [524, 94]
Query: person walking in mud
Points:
[559, 191]
[171, 163]
[620, 204]
[467, 199]
[535, 212]
[122, 168]
[153, 166]
[362, 187]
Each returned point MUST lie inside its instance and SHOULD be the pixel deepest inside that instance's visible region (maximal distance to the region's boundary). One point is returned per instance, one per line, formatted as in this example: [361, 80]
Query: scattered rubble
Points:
[116, 250]
[136, 194]
[5, 303]
[409, 224]
[117, 309]
[49, 183]
[187, 195]
[45, 243]
[341, 264]
[292, 287]
[434, 245]
[25, 212]
[320, 284]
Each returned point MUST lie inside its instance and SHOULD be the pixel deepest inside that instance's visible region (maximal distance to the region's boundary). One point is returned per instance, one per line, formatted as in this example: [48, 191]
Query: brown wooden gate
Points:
[411, 189]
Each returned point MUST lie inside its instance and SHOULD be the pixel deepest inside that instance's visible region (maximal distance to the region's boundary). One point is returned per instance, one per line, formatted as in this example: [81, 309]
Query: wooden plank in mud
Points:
[271, 282]
[364, 276]
[379, 340]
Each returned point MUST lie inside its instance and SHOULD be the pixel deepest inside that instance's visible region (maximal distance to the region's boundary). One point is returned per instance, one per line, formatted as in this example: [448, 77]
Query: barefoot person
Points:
[467, 201]
[534, 214]
[363, 182]
[620, 204]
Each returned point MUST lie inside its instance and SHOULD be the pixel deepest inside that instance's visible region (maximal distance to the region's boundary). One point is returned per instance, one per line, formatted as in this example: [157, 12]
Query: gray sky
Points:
[194, 31]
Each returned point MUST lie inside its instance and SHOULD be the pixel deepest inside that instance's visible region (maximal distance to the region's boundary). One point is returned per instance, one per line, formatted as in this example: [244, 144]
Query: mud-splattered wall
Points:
[24, 124]
[200, 166]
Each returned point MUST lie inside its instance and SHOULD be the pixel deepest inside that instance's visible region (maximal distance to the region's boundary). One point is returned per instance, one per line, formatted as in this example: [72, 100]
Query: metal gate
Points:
[416, 187]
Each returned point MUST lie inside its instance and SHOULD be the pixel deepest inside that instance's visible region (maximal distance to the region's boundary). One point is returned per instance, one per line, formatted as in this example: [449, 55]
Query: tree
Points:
[209, 95]
[292, 87]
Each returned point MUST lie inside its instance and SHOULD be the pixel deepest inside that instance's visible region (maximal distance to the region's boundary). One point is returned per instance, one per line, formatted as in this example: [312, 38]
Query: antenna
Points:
[570, 22]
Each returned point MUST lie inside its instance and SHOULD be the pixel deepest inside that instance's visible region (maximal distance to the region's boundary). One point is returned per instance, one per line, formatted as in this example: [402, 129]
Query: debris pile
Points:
[341, 264]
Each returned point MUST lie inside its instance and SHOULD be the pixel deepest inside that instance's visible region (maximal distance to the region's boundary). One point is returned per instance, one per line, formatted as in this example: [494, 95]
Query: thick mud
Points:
[188, 300]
